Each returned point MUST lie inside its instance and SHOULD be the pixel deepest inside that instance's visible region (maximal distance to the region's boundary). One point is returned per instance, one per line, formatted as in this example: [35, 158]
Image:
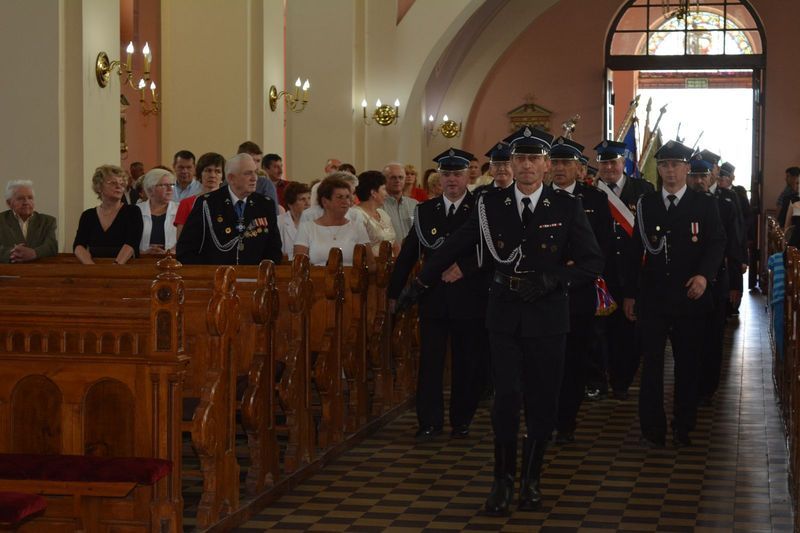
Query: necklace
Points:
[334, 231]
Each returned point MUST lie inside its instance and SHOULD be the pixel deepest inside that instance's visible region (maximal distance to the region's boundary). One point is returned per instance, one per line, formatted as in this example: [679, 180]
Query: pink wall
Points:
[560, 59]
[141, 22]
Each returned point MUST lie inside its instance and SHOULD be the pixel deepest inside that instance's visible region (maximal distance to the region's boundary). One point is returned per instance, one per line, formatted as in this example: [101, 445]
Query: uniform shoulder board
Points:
[563, 193]
[206, 195]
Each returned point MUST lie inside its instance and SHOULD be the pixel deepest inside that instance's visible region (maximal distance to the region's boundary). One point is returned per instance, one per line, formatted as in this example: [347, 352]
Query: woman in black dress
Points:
[112, 229]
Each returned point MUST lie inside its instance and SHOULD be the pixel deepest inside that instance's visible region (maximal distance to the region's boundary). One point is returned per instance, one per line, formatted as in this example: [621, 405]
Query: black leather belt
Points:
[512, 283]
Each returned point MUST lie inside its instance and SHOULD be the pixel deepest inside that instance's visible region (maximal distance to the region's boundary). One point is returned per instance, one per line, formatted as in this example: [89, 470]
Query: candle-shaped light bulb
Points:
[147, 57]
[153, 89]
[141, 83]
[306, 85]
[129, 59]
[397, 102]
[378, 103]
[298, 83]
[445, 118]
[430, 118]
[364, 103]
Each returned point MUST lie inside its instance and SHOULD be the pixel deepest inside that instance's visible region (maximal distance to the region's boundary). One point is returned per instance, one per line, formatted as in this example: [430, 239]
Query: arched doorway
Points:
[705, 59]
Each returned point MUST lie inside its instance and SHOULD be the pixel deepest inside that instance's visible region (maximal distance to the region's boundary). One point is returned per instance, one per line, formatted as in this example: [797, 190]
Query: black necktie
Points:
[240, 209]
[671, 198]
[527, 212]
[452, 210]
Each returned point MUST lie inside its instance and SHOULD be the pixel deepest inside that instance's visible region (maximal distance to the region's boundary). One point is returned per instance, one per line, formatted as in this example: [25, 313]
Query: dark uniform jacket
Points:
[583, 296]
[260, 236]
[695, 243]
[463, 299]
[559, 231]
[734, 245]
[614, 274]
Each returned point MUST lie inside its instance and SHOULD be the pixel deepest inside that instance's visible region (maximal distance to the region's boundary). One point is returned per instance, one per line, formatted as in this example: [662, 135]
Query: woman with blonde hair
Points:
[410, 188]
[112, 229]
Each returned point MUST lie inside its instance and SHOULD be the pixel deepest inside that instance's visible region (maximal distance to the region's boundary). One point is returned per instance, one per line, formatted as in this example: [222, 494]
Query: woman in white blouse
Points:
[158, 213]
[297, 197]
[333, 229]
[371, 192]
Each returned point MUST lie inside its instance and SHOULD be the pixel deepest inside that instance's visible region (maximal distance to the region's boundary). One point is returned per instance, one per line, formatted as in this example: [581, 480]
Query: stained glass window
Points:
[676, 28]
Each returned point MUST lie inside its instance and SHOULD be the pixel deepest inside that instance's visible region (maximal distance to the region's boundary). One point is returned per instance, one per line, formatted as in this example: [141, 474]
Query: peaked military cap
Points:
[674, 151]
[711, 157]
[499, 152]
[584, 160]
[700, 165]
[609, 150]
[726, 169]
[527, 140]
[564, 148]
[453, 159]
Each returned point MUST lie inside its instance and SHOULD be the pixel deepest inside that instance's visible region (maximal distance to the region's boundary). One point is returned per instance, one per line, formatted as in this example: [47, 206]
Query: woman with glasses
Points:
[158, 213]
[112, 229]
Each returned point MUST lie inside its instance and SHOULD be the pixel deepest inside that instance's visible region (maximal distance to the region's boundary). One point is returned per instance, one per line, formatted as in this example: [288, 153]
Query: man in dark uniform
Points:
[727, 174]
[622, 346]
[677, 247]
[538, 242]
[232, 226]
[711, 357]
[453, 310]
[499, 167]
[565, 169]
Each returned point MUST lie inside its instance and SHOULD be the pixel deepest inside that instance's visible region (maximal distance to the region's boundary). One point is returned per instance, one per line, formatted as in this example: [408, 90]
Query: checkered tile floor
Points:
[734, 477]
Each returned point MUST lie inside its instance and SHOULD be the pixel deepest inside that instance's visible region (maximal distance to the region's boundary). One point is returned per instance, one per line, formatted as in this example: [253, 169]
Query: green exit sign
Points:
[697, 83]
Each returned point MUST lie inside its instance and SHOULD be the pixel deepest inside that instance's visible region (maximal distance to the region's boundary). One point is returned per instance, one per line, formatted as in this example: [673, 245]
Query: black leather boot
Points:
[505, 467]
[530, 497]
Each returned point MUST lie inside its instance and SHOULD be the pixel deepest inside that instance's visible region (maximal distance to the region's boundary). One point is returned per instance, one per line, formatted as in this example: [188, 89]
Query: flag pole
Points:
[626, 122]
[651, 139]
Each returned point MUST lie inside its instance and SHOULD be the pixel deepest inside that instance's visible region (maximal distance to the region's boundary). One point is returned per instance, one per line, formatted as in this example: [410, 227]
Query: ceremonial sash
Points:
[619, 210]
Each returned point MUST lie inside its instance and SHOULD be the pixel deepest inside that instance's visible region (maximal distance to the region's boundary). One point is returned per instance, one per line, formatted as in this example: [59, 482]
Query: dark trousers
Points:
[465, 341]
[685, 333]
[576, 364]
[597, 365]
[713, 339]
[528, 368]
[623, 349]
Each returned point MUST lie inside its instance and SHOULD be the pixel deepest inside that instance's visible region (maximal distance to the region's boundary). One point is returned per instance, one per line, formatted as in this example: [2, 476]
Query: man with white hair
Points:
[400, 208]
[232, 225]
[25, 234]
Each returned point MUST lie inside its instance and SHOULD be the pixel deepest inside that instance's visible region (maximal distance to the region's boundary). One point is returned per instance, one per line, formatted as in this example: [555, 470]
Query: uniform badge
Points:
[227, 230]
[219, 218]
[546, 202]
[527, 132]
[434, 231]
[508, 201]
[695, 230]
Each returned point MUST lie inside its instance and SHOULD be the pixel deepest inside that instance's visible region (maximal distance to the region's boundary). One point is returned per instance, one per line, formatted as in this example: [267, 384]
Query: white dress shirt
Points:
[678, 195]
[534, 198]
[457, 203]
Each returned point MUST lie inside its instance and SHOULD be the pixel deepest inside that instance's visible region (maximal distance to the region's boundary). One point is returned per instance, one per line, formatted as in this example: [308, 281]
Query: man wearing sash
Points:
[453, 309]
[677, 247]
[232, 226]
[565, 169]
[623, 192]
[537, 242]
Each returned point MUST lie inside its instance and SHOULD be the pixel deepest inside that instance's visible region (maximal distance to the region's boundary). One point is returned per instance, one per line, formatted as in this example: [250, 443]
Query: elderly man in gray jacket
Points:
[25, 235]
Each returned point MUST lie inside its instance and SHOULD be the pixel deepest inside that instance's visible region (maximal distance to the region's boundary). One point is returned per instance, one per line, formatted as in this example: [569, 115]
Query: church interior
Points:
[277, 398]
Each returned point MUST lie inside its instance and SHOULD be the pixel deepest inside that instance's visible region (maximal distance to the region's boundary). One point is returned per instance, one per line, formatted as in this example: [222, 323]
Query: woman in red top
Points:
[410, 189]
[210, 172]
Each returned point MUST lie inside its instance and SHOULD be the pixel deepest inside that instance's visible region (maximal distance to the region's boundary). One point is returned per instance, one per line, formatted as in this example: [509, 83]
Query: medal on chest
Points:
[695, 227]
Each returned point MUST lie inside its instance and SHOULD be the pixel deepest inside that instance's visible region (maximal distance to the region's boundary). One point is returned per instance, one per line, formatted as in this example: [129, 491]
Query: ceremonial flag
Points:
[631, 153]
[649, 171]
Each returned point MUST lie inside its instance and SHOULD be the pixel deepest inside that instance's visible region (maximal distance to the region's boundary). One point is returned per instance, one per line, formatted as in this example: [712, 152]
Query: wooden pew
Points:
[282, 334]
[107, 385]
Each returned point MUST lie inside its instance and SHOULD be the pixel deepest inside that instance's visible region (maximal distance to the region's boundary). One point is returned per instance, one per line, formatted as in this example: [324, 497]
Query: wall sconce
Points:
[448, 128]
[295, 102]
[154, 106]
[384, 114]
[103, 67]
